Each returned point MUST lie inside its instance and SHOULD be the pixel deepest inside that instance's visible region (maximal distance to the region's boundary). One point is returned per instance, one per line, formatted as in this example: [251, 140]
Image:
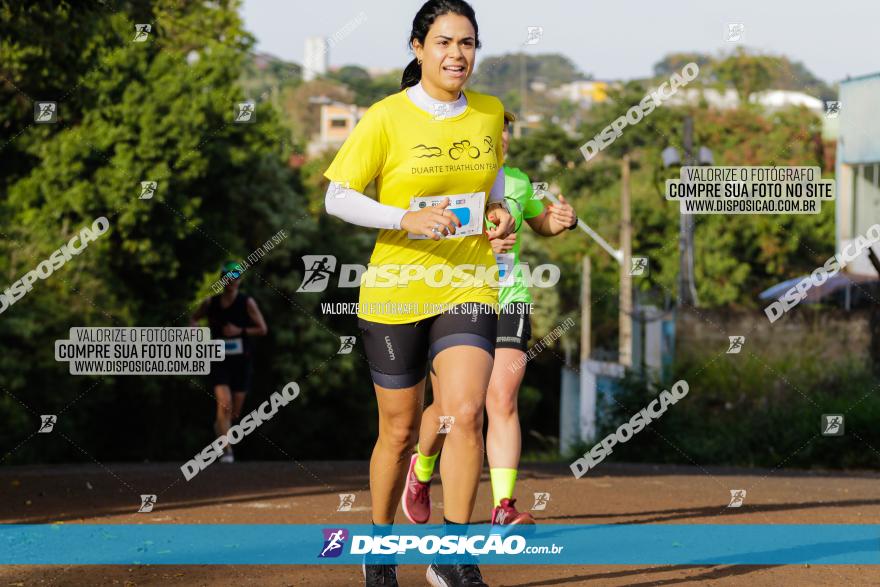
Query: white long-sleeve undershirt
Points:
[356, 208]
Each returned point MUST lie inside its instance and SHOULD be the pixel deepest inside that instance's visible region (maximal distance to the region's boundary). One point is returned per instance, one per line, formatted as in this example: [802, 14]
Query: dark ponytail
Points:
[425, 17]
[411, 75]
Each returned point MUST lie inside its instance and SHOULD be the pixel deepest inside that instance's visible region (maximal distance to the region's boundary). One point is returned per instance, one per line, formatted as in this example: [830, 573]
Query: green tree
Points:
[736, 256]
[366, 89]
[748, 73]
[162, 110]
[674, 62]
[503, 74]
[303, 103]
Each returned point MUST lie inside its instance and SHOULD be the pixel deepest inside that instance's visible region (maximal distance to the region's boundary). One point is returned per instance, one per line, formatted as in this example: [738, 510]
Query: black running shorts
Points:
[514, 327]
[235, 371]
[399, 354]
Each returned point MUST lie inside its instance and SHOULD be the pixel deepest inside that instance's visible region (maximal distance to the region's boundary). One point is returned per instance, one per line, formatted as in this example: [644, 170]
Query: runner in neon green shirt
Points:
[504, 438]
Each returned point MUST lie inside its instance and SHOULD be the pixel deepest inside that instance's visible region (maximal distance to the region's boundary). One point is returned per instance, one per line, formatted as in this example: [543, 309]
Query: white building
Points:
[782, 98]
[725, 100]
[315, 58]
[582, 92]
[337, 122]
[728, 99]
[858, 164]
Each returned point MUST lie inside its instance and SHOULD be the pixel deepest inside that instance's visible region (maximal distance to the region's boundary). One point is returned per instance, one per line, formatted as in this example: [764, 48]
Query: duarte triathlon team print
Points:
[463, 155]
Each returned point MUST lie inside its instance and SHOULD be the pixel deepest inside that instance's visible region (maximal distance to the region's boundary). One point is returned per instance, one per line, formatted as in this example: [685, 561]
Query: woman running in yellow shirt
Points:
[428, 298]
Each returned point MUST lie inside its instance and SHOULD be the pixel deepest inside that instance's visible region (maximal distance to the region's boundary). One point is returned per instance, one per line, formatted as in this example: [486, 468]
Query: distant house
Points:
[783, 98]
[582, 92]
[728, 99]
[725, 100]
[337, 122]
[770, 100]
[857, 167]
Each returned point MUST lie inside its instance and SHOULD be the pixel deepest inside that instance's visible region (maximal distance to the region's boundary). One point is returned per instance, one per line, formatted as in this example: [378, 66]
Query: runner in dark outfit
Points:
[233, 317]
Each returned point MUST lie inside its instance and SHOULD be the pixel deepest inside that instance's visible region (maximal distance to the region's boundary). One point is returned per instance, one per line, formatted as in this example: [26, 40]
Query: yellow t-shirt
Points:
[411, 153]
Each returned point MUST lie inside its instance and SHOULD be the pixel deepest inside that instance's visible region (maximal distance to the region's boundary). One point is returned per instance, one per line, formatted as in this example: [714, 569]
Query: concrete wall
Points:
[829, 335]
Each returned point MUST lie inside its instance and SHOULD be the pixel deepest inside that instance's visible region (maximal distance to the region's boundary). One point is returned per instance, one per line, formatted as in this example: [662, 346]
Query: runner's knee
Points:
[399, 435]
[468, 415]
[500, 402]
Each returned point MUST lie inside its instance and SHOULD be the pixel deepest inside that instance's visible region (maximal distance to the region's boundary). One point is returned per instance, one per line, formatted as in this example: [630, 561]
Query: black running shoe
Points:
[380, 575]
[455, 576]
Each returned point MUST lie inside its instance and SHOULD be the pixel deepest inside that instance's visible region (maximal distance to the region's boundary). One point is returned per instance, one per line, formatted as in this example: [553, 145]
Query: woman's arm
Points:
[356, 208]
[554, 219]
[200, 313]
[259, 328]
[496, 210]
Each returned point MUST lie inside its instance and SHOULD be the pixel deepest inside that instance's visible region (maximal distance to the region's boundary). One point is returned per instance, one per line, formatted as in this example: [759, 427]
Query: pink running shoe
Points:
[506, 515]
[416, 500]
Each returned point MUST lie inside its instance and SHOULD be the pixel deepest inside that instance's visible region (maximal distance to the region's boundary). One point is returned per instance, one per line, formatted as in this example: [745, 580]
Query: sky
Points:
[608, 39]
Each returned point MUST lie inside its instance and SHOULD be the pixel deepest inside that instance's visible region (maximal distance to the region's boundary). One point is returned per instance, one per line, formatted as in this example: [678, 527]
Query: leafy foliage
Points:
[756, 414]
[162, 111]
[501, 75]
[159, 111]
[366, 88]
[737, 256]
[749, 71]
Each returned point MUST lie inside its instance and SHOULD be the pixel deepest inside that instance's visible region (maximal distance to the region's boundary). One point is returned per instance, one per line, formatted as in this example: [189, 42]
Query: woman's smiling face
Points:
[447, 55]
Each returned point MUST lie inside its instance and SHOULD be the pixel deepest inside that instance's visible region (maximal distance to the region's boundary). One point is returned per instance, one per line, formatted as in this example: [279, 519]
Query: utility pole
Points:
[687, 290]
[625, 312]
[522, 81]
[586, 314]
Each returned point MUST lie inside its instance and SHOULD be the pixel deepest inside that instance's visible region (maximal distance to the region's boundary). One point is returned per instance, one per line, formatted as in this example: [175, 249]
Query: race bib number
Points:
[468, 207]
[234, 346]
[505, 268]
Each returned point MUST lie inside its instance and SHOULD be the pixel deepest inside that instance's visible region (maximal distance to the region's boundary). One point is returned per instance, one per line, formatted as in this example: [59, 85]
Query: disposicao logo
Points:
[334, 542]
